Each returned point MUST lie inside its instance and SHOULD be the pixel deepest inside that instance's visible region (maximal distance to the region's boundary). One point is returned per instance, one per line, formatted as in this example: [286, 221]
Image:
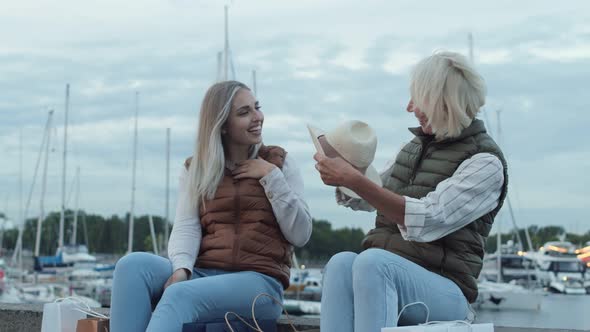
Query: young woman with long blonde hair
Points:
[240, 212]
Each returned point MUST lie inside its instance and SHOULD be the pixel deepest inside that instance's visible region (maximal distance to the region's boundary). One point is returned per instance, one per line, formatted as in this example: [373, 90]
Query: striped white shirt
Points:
[472, 191]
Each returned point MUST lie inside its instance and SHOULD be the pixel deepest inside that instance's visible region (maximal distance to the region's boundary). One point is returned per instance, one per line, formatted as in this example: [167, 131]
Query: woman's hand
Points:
[253, 168]
[178, 276]
[335, 171]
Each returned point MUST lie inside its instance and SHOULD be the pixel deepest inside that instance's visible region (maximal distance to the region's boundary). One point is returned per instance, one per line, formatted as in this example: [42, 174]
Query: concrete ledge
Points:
[28, 317]
[20, 317]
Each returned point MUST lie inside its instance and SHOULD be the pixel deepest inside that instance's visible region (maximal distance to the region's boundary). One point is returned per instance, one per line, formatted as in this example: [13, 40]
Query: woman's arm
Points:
[185, 238]
[285, 190]
[472, 191]
[356, 204]
[338, 172]
[359, 204]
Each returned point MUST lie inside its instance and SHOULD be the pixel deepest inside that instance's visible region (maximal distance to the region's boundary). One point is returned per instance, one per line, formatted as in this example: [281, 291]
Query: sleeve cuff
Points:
[183, 261]
[342, 199]
[414, 217]
[275, 185]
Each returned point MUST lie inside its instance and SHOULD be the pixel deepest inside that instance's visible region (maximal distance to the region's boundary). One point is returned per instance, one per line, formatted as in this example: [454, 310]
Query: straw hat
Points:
[353, 141]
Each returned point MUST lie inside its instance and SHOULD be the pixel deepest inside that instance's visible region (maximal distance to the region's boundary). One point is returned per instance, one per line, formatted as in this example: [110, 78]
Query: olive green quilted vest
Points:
[418, 169]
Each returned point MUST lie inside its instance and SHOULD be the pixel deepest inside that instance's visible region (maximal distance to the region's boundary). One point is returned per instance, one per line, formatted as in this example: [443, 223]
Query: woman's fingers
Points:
[319, 157]
[240, 170]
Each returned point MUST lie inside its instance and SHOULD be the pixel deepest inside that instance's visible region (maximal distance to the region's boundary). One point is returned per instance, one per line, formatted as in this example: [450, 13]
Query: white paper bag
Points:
[443, 327]
[61, 316]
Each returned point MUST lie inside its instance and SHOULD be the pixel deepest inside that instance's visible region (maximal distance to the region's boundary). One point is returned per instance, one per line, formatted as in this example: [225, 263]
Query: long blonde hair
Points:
[448, 90]
[207, 167]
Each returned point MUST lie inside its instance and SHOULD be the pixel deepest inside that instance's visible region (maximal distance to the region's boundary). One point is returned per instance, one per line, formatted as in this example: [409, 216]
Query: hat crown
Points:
[355, 141]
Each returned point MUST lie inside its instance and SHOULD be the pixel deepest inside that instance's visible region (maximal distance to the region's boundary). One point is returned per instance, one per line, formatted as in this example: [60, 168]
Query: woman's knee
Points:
[175, 293]
[133, 262]
[375, 262]
[341, 262]
[175, 298]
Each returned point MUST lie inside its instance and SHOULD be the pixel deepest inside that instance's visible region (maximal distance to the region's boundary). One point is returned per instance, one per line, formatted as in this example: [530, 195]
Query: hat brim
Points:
[315, 133]
[371, 174]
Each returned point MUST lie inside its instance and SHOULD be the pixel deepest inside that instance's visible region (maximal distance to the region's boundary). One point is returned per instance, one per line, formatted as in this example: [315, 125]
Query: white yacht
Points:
[560, 270]
[515, 267]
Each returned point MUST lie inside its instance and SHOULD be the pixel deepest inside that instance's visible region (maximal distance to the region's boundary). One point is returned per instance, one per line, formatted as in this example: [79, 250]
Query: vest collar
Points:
[476, 127]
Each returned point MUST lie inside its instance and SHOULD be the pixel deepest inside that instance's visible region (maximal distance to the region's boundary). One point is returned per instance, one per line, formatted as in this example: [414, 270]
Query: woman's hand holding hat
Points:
[349, 146]
[336, 171]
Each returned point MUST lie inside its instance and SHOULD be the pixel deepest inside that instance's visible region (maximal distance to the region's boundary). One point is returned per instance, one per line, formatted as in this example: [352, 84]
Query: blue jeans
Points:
[365, 292]
[137, 289]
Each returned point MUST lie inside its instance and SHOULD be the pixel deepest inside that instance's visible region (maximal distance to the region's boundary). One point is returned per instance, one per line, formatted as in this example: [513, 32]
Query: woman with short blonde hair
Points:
[448, 90]
[434, 211]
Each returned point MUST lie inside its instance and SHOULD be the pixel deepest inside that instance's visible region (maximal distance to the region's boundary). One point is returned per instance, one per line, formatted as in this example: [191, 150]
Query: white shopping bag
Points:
[61, 316]
[443, 327]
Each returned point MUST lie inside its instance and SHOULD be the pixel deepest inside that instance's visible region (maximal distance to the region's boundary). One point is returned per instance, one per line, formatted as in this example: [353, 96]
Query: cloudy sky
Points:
[316, 61]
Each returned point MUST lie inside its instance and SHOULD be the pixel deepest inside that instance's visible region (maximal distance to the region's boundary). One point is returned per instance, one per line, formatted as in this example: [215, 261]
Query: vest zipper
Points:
[419, 162]
[237, 222]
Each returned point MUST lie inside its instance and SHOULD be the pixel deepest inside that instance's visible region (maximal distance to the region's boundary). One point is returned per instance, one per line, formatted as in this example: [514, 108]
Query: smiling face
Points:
[420, 116]
[244, 123]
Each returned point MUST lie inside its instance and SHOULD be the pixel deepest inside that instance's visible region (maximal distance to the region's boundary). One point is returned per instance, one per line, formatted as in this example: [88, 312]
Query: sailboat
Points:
[65, 256]
[499, 294]
[133, 188]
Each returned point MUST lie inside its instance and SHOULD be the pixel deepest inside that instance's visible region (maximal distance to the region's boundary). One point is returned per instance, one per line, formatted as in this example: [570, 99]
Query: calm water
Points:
[557, 311]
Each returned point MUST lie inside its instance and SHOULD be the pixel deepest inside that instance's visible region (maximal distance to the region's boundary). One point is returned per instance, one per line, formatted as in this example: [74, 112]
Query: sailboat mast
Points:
[499, 236]
[219, 66]
[4, 219]
[17, 254]
[167, 211]
[226, 47]
[153, 234]
[131, 211]
[75, 228]
[518, 237]
[20, 203]
[43, 188]
[499, 251]
[254, 82]
[63, 174]
[470, 40]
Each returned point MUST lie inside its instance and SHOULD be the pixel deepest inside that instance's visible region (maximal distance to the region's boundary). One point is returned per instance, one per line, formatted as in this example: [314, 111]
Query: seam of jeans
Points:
[458, 294]
[390, 291]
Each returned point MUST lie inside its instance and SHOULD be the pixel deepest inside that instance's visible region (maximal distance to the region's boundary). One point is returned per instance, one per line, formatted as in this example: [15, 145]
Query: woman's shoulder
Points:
[273, 154]
[276, 149]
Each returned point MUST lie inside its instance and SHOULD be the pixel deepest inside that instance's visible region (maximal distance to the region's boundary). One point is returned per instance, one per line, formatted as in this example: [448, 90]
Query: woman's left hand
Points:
[253, 168]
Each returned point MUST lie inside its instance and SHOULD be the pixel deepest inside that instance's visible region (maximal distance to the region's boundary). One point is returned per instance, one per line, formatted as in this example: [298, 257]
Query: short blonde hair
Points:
[448, 90]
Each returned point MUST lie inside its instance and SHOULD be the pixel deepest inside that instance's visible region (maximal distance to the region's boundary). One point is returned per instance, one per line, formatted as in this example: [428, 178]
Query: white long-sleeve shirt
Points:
[472, 191]
[284, 189]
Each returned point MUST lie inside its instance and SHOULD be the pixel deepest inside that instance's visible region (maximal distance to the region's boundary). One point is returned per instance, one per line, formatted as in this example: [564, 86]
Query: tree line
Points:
[109, 235]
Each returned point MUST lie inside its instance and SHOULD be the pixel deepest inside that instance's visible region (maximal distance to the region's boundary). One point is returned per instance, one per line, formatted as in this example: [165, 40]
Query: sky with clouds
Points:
[317, 61]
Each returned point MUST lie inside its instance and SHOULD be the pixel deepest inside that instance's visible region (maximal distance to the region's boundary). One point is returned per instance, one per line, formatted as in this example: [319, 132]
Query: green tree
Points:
[325, 242]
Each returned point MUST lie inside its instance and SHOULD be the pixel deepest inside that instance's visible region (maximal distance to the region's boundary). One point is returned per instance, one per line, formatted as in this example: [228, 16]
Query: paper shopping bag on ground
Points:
[93, 324]
[443, 327]
[61, 316]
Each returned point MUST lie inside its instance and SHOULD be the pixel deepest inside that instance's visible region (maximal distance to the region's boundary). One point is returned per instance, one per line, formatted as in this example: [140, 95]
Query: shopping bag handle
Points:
[258, 328]
[82, 306]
